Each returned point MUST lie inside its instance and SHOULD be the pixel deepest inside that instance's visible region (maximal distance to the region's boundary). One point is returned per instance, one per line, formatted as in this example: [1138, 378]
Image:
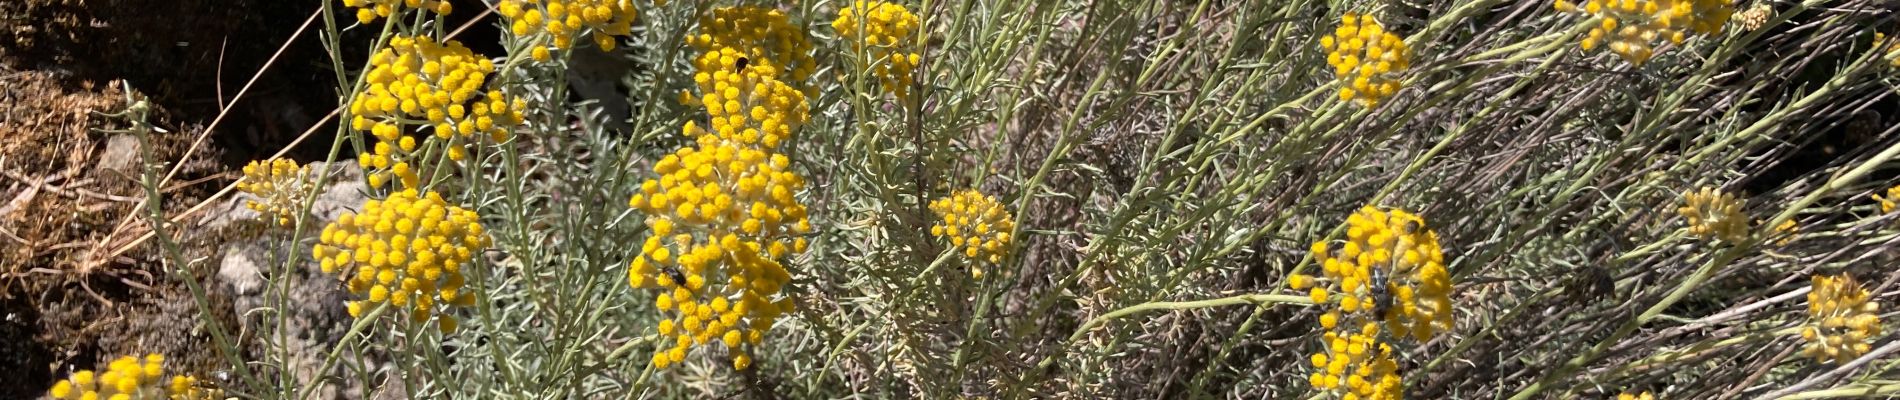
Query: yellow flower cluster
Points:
[1890, 201]
[1636, 396]
[1786, 232]
[1631, 27]
[885, 29]
[762, 36]
[1841, 320]
[368, 11]
[280, 186]
[1755, 17]
[1712, 214]
[976, 223]
[407, 251]
[1366, 58]
[562, 20]
[1892, 48]
[1389, 276]
[1390, 264]
[129, 378]
[418, 81]
[722, 214]
[1357, 366]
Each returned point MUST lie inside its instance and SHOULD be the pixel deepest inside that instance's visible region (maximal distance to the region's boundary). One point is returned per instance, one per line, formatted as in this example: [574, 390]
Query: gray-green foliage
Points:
[1169, 163]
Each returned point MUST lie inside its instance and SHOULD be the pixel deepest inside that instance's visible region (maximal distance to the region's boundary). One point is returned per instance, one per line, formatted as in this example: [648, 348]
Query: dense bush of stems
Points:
[1115, 198]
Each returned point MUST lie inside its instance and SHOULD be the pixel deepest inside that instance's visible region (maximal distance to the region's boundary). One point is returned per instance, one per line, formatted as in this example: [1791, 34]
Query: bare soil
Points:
[78, 286]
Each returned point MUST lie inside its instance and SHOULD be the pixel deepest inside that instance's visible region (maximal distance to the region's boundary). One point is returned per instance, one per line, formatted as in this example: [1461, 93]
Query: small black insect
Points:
[1412, 227]
[679, 279]
[1380, 287]
[739, 66]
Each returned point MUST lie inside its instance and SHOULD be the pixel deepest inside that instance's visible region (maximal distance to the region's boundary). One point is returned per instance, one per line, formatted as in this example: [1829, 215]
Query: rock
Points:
[119, 158]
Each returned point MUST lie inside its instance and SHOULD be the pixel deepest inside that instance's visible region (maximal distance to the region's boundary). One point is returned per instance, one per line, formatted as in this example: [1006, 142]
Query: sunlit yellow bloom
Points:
[408, 251]
[723, 216]
[1755, 17]
[977, 226]
[1631, 28]
[132, 378]
[1387, 280]
[1842, 324]
[1890, 201]
[368, 11]
[420, 84]
[1712, 214]
[884, 33]
[559, 22]
[280, 187]
[1356, 365]
[1366, 59]
[764, 36]
[1393, 249]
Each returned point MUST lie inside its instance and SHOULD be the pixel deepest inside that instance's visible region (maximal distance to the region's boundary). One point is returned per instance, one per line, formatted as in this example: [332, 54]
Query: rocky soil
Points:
[81, 283]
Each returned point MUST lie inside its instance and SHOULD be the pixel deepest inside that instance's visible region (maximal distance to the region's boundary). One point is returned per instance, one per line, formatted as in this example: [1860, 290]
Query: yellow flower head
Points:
[1892, 54]
[131, 378]
[1366, 59]
[418, 81]
[1636, 396]
[1755, 17]
[1842, 324]
[722, 215]
[368, 11]
[977, 225]
[1786, 231]
[1631, 28]
[563, 20]
[764, 36]
[1356, 365]
[280, 186]
[1712, 214]
[748, 105]
[883, 32]
[1390, 270]
[1888, 202]
[407, 251]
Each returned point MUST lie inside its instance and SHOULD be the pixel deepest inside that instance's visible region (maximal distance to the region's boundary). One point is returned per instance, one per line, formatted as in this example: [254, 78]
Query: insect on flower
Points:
[738, 66]
[678, 277]
[1381, 288]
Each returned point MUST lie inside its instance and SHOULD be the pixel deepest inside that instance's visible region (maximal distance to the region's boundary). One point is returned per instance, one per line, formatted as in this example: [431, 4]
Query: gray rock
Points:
[120, 157]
